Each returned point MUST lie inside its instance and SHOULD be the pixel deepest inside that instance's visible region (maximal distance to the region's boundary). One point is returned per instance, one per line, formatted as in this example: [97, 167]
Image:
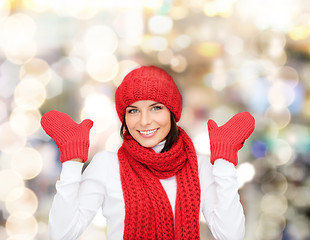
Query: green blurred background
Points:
[226, 56]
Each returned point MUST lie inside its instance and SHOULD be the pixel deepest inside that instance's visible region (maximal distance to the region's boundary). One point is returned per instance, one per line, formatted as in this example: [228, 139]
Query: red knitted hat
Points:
[148, 83]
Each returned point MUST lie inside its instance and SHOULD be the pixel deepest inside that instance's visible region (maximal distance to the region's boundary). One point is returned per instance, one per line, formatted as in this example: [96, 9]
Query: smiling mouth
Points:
[148, 132]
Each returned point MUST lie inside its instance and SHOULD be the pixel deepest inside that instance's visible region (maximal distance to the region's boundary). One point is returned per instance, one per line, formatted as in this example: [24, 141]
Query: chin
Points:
[148, 144]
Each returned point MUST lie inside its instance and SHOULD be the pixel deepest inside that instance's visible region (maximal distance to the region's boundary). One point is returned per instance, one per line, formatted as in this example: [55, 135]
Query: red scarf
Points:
[148, 213]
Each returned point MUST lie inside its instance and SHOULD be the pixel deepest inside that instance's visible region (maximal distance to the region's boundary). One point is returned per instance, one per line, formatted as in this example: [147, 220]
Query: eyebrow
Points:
[131, 106]
[153, 104]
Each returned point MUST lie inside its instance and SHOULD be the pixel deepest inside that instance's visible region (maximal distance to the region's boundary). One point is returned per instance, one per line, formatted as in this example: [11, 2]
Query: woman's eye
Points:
[132, 110]
[156, 108]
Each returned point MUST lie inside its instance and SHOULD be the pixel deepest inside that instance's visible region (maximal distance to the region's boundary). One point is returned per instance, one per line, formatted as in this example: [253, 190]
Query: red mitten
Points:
[71, 138]
[227, 140]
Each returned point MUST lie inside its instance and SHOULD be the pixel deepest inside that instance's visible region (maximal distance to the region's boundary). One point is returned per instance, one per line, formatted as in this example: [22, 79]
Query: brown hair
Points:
[171, 137]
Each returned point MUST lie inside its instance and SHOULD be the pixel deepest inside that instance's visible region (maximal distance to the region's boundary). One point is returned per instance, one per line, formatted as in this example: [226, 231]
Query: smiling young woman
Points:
[155, 186]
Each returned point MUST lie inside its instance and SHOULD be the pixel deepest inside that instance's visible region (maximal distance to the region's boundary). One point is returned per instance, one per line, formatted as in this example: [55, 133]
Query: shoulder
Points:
[104, 155]
[103, 161]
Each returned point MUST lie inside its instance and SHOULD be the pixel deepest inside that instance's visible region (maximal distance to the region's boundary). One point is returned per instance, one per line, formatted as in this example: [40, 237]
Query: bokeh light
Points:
[283, 151]
[18, 38]
[113, 142]
[91, 109]
[100, 39]
[36, 68]
[202, 143]
[26, 203]
[101, 67]
[30, 94]
[12, 182]
[36, 5]
[25, 122]
[10, 141]
[160, 24]
[245, 173]
[3, 111]
[5, 8]
[21, 226]
[27, 162]
[124, 67]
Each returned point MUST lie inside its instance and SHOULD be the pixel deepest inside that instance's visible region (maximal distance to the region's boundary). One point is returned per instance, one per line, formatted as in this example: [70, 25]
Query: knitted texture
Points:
[71, 138]
[148, 83]
[148, 213]
[227, 140]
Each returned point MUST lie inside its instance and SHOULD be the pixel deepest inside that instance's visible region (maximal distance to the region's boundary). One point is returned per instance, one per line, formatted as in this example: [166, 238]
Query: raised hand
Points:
[71, 138]
[227, 140]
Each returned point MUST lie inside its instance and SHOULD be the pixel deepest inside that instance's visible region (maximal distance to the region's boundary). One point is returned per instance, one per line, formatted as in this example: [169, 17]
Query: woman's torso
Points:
[113, 206]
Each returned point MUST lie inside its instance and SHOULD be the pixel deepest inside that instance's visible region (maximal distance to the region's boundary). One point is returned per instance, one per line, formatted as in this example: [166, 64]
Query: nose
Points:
[145, 118]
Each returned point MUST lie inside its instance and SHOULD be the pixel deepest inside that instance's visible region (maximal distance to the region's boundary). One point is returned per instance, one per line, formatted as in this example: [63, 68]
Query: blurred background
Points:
[226, 56]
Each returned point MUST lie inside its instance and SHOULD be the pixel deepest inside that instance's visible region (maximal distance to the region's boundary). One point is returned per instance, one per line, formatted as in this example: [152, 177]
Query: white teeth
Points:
[148, 132]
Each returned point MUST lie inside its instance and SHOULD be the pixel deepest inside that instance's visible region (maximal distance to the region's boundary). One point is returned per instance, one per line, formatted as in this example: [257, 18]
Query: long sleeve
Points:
[221, 202]
[77, 200]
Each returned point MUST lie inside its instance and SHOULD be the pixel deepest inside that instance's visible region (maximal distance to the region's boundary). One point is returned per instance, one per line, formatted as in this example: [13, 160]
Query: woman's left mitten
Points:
[227, 140]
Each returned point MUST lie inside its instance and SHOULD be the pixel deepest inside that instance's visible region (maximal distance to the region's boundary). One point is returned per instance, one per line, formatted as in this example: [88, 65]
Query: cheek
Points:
[130, 123]
[166, 122]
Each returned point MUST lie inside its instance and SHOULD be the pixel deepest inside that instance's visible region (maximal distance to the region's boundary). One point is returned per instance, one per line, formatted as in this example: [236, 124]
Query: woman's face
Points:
[148, 122]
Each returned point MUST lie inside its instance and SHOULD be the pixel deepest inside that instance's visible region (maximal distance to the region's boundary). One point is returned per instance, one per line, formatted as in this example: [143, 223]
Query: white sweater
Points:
[79, 196]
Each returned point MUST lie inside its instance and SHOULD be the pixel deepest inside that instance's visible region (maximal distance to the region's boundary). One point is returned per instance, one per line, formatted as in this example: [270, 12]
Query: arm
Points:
[221, 205]
[225, 217]
[77, 200]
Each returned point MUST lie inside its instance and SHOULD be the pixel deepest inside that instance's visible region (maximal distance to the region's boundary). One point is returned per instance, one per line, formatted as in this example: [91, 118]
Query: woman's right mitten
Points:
[71, 138]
